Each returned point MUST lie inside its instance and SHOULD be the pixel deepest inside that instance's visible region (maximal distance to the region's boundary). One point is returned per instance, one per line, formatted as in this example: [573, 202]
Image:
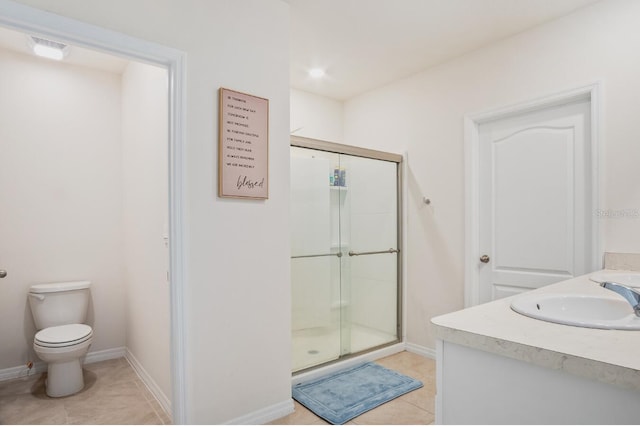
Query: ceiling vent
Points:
[48, 48]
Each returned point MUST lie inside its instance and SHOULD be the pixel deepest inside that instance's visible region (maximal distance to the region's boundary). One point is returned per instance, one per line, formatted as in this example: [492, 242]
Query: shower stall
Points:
[345, 251]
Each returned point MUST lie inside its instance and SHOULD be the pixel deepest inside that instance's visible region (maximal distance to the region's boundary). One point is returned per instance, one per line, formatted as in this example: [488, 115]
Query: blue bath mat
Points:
[344, 395]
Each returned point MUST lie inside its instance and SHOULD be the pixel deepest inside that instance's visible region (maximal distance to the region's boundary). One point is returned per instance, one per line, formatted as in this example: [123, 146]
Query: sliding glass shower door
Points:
[345, 252]
[316, 258]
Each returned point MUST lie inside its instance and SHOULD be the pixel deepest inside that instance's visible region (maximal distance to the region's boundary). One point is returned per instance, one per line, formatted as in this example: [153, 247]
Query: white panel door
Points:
[535, 217]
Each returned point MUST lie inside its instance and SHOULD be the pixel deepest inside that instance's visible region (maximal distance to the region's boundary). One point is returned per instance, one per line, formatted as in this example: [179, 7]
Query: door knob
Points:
[485, 259]
[3, 274]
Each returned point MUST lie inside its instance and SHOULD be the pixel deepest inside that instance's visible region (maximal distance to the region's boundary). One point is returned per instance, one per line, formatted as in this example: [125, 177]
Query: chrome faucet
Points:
[631, 295]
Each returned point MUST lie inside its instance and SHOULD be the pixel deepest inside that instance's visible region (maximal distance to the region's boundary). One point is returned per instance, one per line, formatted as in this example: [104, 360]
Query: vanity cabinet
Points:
[495, 366]
[477, 387]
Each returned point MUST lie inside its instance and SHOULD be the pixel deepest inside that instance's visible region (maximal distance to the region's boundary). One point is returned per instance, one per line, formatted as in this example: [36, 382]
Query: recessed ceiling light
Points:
[316, 73]
[48, 48]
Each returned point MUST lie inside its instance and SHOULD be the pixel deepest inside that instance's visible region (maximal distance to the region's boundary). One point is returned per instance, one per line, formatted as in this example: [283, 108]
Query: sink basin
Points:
[586, 311]
[627, 279]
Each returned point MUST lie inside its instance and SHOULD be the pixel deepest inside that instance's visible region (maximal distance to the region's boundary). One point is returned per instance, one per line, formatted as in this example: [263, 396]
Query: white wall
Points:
[237, 304]
[598, 43]
[315, 116]
[61, 186]
[145, 220]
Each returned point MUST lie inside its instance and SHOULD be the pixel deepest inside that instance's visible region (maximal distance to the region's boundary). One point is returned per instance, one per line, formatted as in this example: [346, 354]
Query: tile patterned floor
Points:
[113, 394]
[416, 407]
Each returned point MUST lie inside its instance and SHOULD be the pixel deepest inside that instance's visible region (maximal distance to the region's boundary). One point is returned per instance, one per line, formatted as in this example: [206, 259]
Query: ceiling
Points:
[364, 44]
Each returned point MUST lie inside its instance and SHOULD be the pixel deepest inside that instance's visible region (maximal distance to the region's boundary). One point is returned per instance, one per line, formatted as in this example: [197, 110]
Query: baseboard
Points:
[420, 350]
[149, 382]
[40, 367]
[265, 415]
[102, 355]
[22, 371]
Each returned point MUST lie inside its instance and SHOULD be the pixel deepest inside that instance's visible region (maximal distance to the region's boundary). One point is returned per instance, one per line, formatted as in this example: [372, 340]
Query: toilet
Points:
[59, 311]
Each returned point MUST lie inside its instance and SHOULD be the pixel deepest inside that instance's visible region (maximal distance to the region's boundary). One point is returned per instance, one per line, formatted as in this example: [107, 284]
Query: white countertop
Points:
[610, 356]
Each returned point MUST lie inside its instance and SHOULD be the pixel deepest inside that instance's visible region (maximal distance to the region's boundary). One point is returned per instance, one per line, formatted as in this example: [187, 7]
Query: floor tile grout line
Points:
[409, 403]
[418, 407]
[150, 399]
[156, 412]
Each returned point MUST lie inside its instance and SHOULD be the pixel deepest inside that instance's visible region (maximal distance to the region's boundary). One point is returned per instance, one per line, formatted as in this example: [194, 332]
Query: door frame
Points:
[590, 92]
[48, 25]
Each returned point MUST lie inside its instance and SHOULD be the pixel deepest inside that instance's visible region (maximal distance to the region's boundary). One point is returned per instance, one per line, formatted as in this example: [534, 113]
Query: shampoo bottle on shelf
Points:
[343, 177]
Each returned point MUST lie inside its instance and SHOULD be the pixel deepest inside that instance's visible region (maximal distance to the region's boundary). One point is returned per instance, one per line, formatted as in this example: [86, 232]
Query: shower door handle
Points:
[338, 254]
[3, 274]
[388, 251]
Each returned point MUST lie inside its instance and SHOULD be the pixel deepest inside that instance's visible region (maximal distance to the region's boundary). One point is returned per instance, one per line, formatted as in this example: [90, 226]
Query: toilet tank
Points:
[55, 304]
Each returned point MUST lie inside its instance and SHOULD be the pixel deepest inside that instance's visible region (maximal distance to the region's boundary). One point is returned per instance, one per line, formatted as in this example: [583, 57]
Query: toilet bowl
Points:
[62, 340]
[62, 348]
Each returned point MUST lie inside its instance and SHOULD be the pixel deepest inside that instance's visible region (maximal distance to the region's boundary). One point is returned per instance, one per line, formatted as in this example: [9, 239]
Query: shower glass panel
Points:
[371, 264]
[344, 259]
[315, 258]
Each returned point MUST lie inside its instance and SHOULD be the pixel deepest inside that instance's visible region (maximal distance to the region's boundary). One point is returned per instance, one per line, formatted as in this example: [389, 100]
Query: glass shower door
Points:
[370, 266]
[315, 258]
[344, 255]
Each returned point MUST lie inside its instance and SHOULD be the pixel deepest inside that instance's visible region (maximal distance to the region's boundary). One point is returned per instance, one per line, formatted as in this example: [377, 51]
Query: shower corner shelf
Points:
[338, 188]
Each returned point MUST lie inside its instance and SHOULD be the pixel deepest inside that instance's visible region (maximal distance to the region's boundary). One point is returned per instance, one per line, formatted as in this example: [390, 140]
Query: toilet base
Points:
[64, 378]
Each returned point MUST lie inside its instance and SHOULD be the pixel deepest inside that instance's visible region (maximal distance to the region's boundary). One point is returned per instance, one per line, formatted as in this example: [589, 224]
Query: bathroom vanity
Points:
[495, 366]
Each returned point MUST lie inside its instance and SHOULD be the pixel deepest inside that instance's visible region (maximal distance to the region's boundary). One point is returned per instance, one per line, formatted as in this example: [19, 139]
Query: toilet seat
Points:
[63, 336]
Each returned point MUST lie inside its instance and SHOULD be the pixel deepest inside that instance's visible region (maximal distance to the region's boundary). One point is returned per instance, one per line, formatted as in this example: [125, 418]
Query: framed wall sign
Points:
[243, 146]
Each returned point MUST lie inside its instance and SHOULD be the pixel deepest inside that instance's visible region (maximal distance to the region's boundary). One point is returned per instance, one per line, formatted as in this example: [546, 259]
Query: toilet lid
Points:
[63, 336]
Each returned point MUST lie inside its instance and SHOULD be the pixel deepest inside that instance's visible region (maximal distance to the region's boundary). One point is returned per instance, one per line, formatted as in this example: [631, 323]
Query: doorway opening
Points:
[68, 31]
